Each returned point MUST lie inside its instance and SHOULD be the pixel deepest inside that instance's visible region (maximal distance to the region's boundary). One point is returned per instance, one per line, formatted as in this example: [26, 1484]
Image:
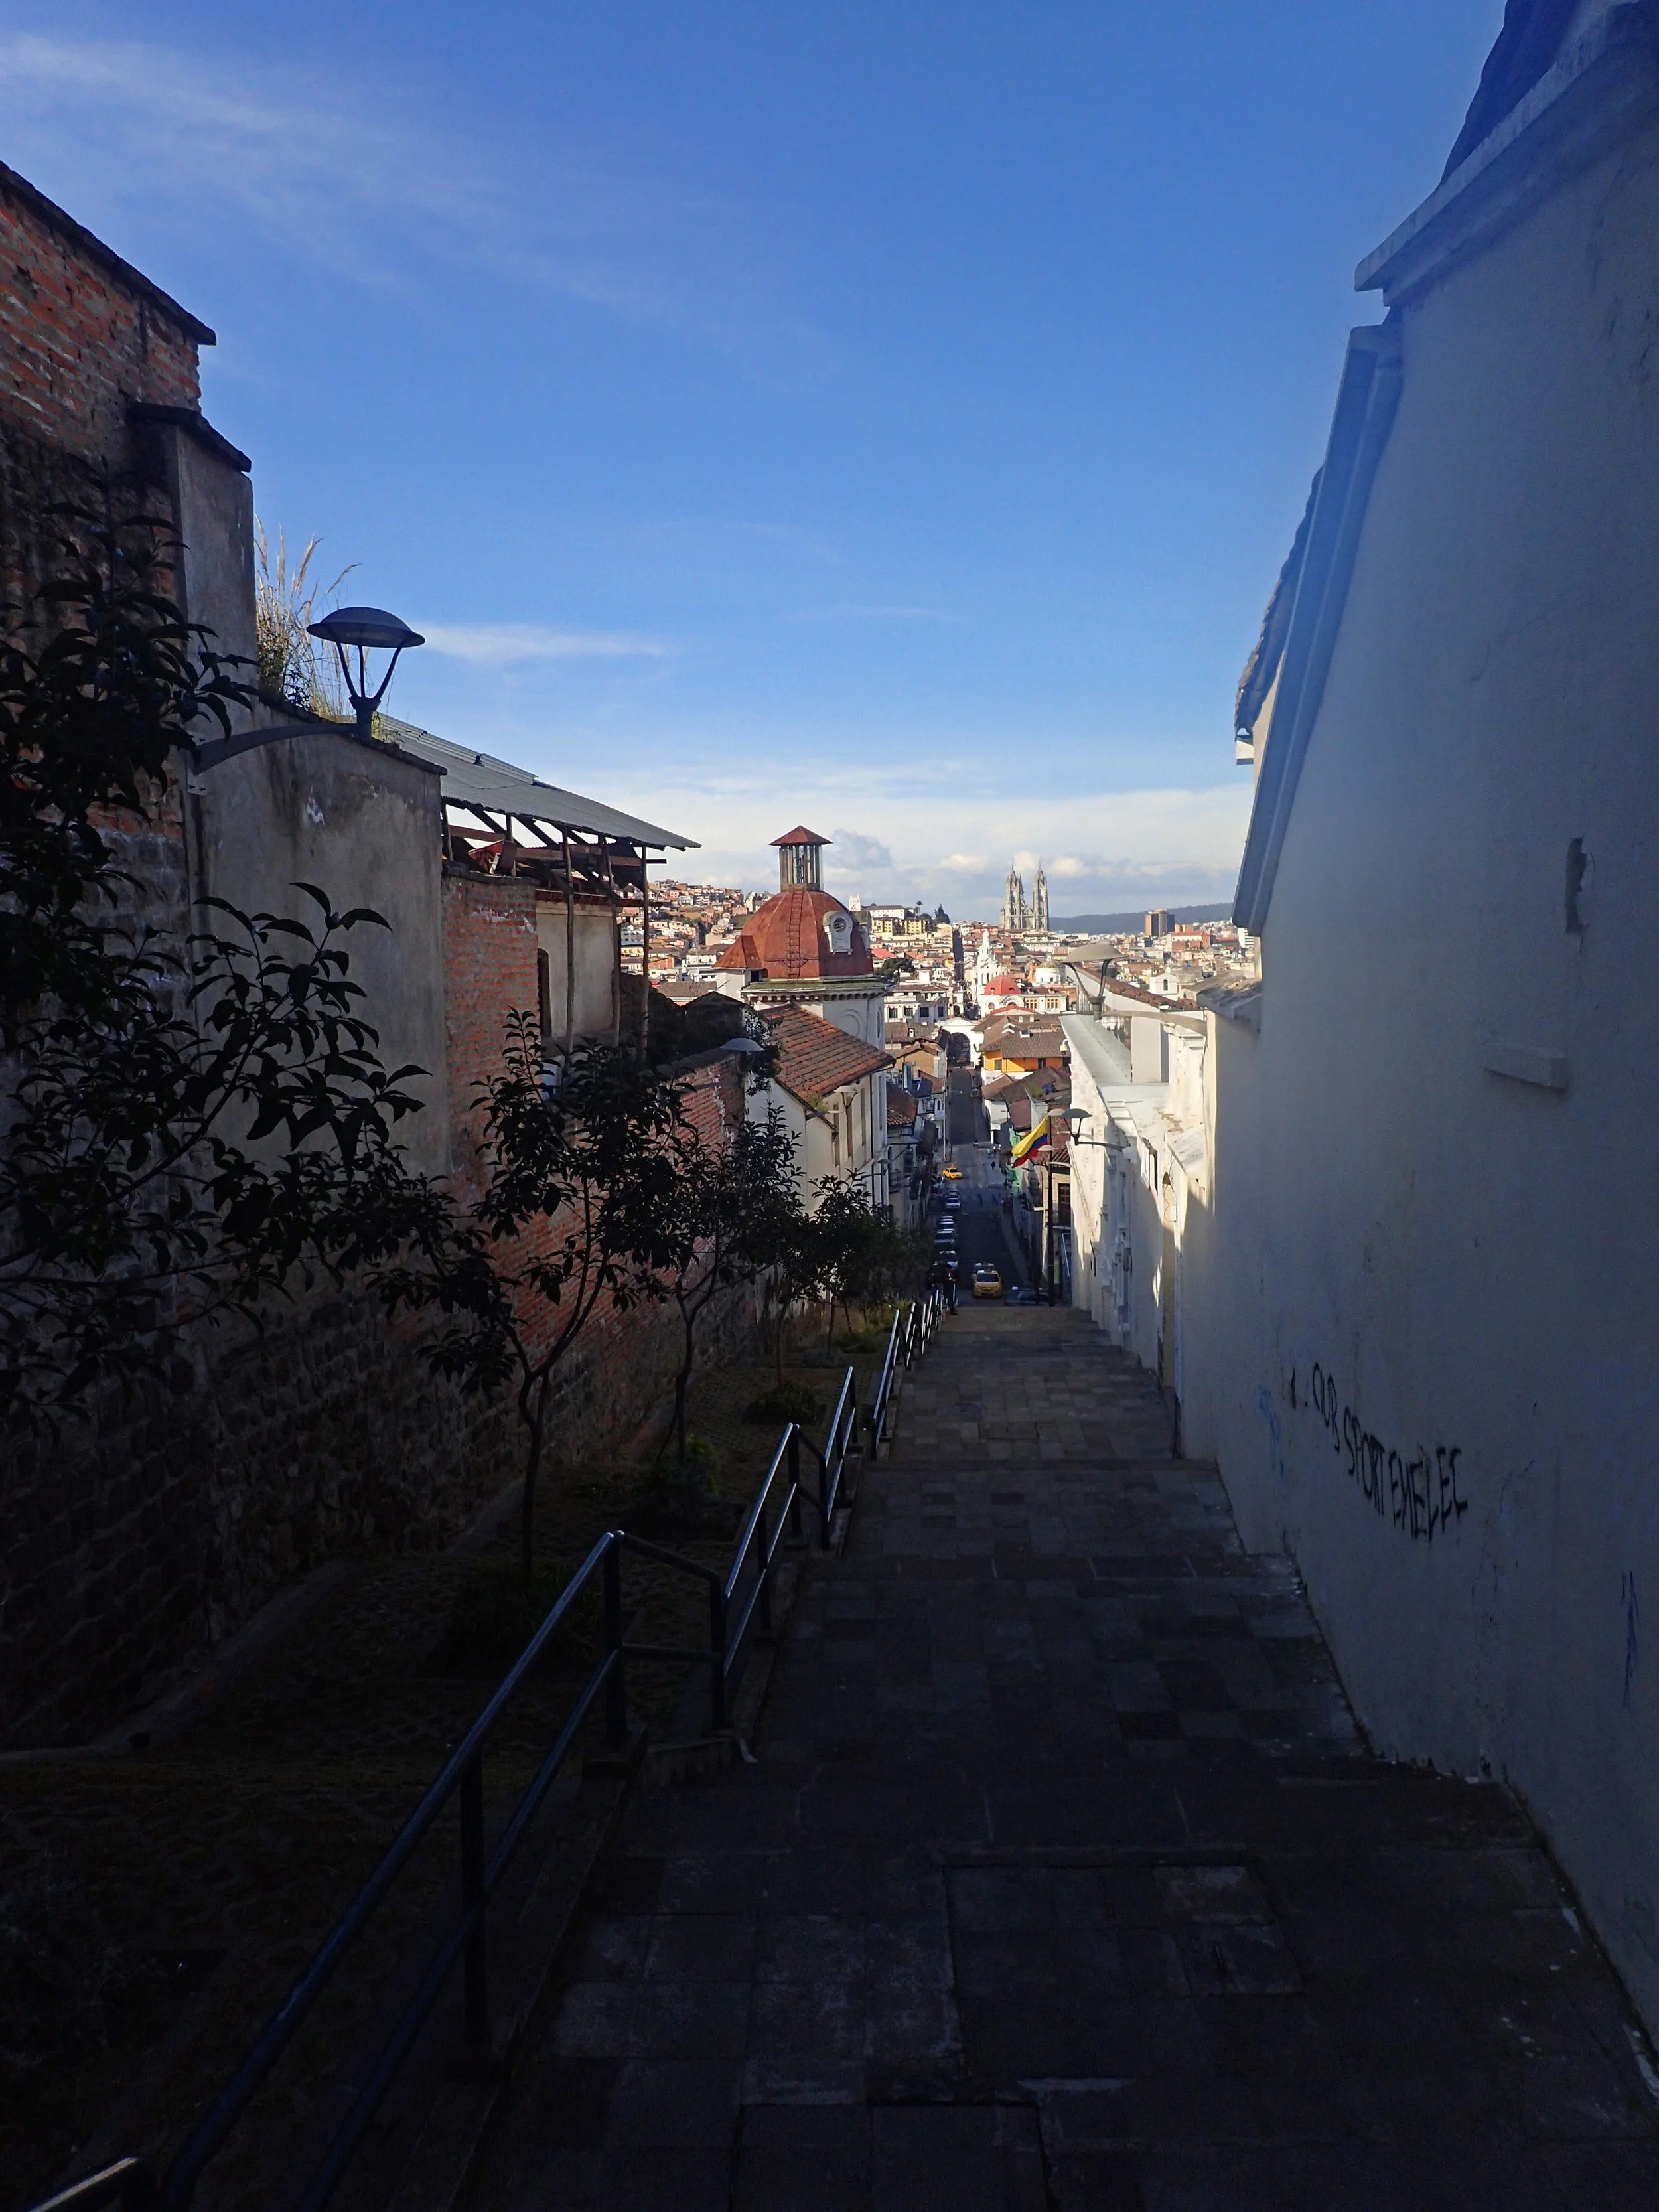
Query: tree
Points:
[578, 1166]
[88, 722]
[185, 1127]
[859, 1255]
[730, 1217]
[792, 1272]
[845, 1234]
[140, 1193]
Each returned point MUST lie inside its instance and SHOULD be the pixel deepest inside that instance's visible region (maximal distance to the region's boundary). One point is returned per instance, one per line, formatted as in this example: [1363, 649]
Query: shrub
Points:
[687, 1496]
[495, 1614]
[789, 1401]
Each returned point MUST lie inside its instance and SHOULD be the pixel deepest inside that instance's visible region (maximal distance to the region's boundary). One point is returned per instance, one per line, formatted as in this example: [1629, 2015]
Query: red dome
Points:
[787, 938]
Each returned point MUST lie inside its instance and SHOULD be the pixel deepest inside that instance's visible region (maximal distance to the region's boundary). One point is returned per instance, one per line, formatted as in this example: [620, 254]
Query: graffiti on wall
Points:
[1421, 1495]
[1264, 1399]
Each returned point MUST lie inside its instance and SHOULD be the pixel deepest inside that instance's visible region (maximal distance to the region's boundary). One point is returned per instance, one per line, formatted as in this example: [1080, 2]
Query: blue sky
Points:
[891, 416]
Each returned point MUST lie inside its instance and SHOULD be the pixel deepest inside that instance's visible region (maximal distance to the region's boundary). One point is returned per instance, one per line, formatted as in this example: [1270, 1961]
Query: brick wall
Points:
[84, 333]
[623, 1362]
[489, 972]
[82, 336]
[133, 1545]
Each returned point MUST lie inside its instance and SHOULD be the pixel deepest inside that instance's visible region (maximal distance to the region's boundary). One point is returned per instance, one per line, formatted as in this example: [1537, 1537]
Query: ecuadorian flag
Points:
[1029, 1143]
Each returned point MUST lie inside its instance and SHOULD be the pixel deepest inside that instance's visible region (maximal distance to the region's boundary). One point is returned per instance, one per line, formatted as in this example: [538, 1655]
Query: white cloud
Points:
[1068, 864]
[949, 842]
[503, 643]
[853, 853]
[297, 165]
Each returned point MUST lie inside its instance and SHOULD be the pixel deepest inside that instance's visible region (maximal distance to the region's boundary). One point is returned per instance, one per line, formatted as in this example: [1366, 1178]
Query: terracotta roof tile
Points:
[814, 1058]
[785, 940]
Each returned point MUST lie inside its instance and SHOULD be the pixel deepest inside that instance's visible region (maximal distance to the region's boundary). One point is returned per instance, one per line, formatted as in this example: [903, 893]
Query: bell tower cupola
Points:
[801, 859]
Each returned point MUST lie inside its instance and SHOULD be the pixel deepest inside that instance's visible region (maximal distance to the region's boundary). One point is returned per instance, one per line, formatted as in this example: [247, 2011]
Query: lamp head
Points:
[368, 627]
[366, 630]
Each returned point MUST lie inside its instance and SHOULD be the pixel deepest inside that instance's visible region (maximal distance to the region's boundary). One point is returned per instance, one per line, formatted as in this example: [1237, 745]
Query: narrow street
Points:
[1063, 1879]
[980, 1234]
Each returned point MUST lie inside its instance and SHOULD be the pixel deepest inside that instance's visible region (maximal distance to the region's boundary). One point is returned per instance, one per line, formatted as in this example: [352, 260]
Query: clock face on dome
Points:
[838, 929]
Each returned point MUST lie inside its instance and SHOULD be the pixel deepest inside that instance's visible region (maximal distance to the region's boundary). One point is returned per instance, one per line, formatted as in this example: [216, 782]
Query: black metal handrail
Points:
[911, 1333]
[841, 1441]
[131, 2183]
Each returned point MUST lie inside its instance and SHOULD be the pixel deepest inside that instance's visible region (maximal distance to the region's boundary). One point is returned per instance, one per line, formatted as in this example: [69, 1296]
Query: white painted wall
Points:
[594, 943]
[856, 1112]
[855, 1013]
[1420, 1280]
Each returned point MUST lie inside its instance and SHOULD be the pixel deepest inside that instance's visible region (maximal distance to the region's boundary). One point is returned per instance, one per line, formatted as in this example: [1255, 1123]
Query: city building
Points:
[802, 948]
[1016, 1046]
[831, 1088]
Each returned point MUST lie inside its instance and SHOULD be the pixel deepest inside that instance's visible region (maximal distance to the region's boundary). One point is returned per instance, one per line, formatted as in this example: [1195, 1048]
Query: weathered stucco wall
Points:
[362, 822]
[1436, 1361]
[589, 948]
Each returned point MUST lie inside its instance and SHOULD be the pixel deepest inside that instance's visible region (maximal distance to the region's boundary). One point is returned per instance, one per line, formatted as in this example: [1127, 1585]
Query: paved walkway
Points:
[1063, 1880]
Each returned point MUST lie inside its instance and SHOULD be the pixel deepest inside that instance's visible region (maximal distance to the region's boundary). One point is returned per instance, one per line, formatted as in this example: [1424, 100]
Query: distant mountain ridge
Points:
[1114, 925]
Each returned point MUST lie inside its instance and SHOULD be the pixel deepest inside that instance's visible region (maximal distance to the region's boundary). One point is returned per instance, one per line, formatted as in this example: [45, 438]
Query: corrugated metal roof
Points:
[475, 778]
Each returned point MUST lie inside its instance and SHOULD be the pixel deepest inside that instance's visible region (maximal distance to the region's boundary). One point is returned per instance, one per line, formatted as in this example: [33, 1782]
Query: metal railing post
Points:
[476, 1965]
[764, 1570]
[615, 1687]
[716, 1657]
[794, 1482]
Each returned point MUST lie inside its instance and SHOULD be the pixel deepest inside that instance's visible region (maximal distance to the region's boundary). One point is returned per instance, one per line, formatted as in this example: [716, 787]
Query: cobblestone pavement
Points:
[1063, 1880]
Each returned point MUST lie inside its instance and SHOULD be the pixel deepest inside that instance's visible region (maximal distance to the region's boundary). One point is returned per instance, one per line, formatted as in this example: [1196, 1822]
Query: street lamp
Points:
[1074, 1115]
[369, 629]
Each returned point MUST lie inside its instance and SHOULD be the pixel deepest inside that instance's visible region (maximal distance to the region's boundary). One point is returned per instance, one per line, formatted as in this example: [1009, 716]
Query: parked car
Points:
[1021, 1294]
[987, 1283]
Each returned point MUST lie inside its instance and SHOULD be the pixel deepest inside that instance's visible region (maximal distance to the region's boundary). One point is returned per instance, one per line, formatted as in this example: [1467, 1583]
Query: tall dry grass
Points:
[293, 667]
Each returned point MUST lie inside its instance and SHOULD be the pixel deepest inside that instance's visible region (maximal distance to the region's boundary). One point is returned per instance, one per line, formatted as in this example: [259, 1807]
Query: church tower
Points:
[1041, 916]
[1014, 914]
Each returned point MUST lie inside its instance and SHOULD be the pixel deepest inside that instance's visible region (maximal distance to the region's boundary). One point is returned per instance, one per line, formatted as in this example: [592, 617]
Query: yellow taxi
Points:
[951, 1174]
[987, 1283]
